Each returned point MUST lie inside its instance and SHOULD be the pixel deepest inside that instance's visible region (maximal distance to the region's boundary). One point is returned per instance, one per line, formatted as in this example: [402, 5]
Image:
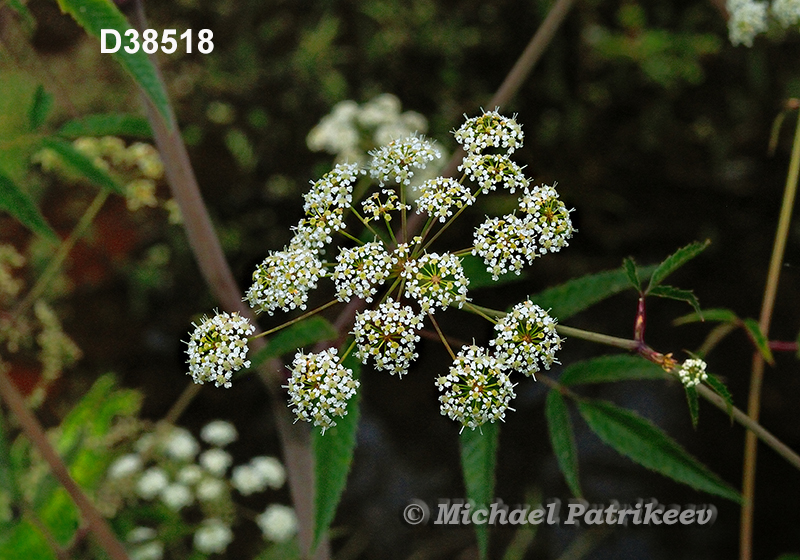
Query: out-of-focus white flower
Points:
[213, 536]
[216, 461]
[125, 466]
[151, 483]
[150, 551]
[181, 445]
[176, 496]
[210, 490]
[219, 433]
[278, 523]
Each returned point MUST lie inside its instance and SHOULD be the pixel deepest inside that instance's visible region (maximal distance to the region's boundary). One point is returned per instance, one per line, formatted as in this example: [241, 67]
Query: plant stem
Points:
[63, 250]
[441, 336]
[34, 431]
[757, 372]
[305, 315]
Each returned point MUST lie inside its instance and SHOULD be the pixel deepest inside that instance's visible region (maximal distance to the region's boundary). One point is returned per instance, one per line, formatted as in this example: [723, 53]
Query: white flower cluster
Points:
[382, 204]
[504, 244]
[436, 280]
[787, 12]
[489, 130]
[477, 389]
[218, 348]
[441, 195]
[490, 170]
[349, 126]
[180, 475]
[361, 270]
[548, 217]
[389, 335]
[320, 387]
[693, 372]
[526, 339]
[334, 190]
[397, 160]
[748, 18]
[284, 279]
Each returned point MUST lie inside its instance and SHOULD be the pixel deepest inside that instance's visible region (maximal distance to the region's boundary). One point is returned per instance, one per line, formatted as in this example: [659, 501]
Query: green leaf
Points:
[694, 405]
[719, 315]
[40, 108]
[569, 298]
[479, 277]
[563, 440]
[675, 261]
[94, 15]
[17, 203]
[333, 455]
[280, 551]
[672, 292]
[614, 367]
[719, 388]
[788, 557]
[478, 463]
[82, 164]
[309, 331]
[629, 266]
[110, 124]
[640, 440]
[758, 338]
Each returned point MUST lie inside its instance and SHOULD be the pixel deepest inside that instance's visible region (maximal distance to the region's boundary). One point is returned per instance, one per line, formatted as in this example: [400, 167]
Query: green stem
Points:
[757, 371]
[479, 311]
[347, 352]
[441, 336]
[305, 315]
[63, 250]
[365, 222]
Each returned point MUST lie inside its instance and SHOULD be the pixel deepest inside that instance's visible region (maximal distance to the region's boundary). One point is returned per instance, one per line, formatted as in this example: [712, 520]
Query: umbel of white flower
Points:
[218, 348]
[693, 372]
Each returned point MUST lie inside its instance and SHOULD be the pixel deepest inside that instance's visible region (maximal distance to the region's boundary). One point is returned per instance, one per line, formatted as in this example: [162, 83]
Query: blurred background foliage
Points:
[653, 125]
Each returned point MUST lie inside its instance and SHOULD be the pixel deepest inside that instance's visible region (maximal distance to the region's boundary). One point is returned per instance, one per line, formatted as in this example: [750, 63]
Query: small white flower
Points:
[181, 445]
[490, 170]
[219, 433]
[150, 551]
[436, 281]
[151, 483]
[787, 12]
[396, 161]
[141, 534]
[210, 490]
[361, 270]
[247, 480]
[334, 190]
[489, 130]
[441, 195]
[389, 335]
[218, 348]
[476, 390]
[278, 523]
[216, 461]
[320, 387]
[747, 19]
[213, 536]
[176, 496]
[504, 244]
[190, 475]
[693, 372]
[125, 466]
[382, 204]
[526, 338]
[546, 219]
[271, 469]
[284, 279]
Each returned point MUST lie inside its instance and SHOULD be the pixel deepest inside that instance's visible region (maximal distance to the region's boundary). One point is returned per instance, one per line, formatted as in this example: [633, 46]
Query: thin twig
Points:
[757, 372]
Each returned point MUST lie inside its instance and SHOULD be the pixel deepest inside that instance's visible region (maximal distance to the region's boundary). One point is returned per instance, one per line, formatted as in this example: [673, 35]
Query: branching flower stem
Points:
[441, 336]
[297, 319]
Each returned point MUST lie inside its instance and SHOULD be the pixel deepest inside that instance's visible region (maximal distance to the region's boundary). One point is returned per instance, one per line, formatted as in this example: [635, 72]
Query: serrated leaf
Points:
[758, 338]
[479, 277]
[17, 203]
[478, 464]
[333, 455]
[614, 367]
[719, 388]
[82, 164]
[694, 405]
[563, 440]
[309, 331]
[719, 315]
[40, 108]
[110, 124]
[569, 298]
[675, 261]
[95, 15]
[629, 266]
[640, 440]
[672, 292]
